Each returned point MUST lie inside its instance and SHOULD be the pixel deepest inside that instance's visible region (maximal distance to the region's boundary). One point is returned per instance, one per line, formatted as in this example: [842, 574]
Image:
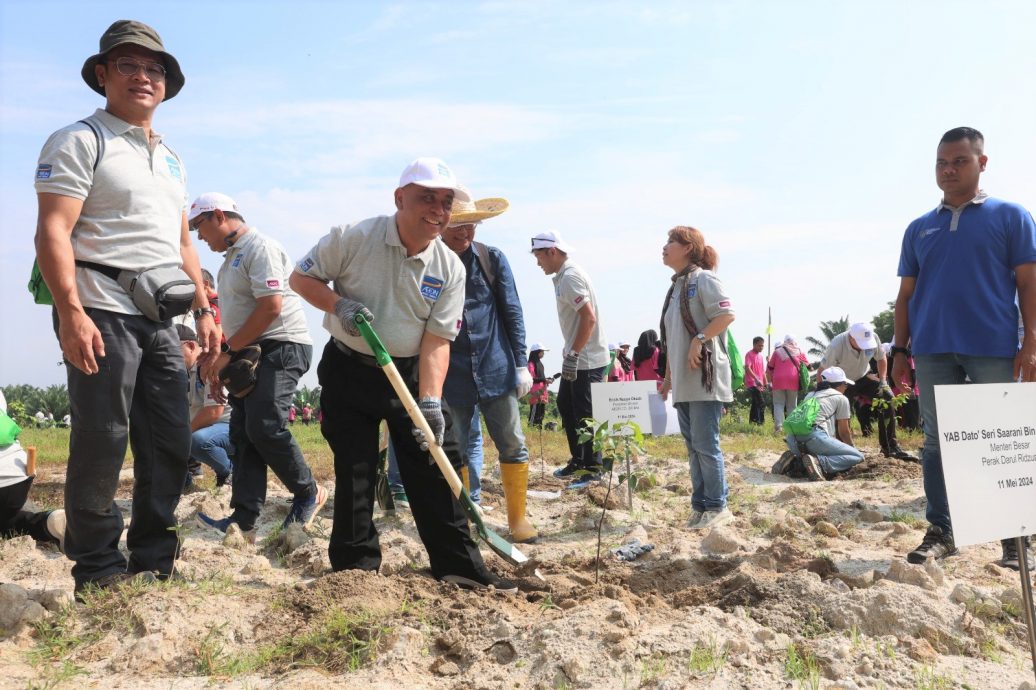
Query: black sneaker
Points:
[1010, 554]
[303, 510]
[112, 581]
[813, 469]
[483, 581]
[222, 480]
[935, 545]
[783, 464]
[568, 470]
[900, 454]
[585, 477]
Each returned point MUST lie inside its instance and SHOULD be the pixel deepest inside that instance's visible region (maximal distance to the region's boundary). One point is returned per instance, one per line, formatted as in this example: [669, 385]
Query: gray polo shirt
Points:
[707, 299]
[133, 204]
[367, 262]
[833, 407]
[573, 290]
[199, 396]
[855, 363]
[257, 266]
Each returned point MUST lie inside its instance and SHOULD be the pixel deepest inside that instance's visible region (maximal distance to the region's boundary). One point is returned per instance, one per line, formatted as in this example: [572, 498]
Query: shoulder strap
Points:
[100, 140]
[109, 271]
[482, 252]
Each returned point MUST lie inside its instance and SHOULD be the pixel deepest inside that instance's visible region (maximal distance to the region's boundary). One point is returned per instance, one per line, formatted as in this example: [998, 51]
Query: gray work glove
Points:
[346, 310]
[570, 368]
[431, 408]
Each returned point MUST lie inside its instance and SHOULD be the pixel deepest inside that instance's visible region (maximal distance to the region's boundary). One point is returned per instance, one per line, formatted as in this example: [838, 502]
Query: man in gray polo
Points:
[396, 270]
[258, 307]
[110, 192]
[586, 351]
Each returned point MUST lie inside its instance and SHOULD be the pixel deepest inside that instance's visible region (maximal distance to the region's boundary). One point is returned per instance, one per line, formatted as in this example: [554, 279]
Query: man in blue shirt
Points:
[488, 366]
[960, 267]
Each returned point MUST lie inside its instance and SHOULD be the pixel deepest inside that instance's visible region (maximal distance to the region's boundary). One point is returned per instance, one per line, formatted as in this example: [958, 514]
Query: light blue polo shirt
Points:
[964, 260]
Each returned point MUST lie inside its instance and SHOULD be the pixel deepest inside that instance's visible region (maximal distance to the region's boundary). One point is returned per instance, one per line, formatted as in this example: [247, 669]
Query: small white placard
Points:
[634, 401]
[987, 434]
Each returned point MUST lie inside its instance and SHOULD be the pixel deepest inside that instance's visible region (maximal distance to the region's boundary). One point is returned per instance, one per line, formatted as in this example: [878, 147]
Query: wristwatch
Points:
[900, 350]
[701, 337]
[198, 313]
[224, 347]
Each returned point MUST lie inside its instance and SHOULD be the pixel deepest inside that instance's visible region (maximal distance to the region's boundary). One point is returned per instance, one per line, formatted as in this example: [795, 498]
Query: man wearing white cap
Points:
[258, 307]
[853, 351]
[962, 267]
[828, 448]
[488, 368]
[397, 271]
[112, 213]
[585, 353]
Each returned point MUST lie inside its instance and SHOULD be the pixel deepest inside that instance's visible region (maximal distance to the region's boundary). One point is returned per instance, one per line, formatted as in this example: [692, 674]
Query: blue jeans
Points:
[504, 424]
[940, 370]
[699, 424]
[211, 446]
[834, 456]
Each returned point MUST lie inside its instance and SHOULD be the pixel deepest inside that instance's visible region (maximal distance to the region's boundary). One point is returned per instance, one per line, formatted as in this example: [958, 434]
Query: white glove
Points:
[524, 382]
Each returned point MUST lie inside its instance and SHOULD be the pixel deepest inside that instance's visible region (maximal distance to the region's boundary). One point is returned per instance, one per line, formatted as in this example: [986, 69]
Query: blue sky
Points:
[798, 136]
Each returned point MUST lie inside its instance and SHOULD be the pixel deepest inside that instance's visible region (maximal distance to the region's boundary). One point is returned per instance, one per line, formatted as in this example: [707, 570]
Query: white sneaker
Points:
[56, 527]
[714, 518]
[695, 519]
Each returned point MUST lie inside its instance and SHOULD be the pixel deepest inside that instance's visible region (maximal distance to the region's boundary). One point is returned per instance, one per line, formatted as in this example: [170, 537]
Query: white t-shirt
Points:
[12, 465]
[833, 407]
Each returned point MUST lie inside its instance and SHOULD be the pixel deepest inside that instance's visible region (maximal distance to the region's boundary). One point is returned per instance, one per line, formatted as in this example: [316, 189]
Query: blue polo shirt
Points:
[964, 260]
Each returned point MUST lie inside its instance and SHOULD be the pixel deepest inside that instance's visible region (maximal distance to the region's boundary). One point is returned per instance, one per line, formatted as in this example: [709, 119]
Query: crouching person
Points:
[820, 443]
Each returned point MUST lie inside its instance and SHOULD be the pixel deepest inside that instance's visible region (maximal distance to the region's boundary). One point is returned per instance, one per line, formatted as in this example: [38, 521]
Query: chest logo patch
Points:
[929, 231]
[431, 287]
[174, 167]
[692, 289]
[43, 171]
[237, 261]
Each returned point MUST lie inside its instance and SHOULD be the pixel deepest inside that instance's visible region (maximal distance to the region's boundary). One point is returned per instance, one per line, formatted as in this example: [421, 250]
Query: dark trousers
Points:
[355, 398]
[755, 414]
[574, 405]
[886, 419]
[14, 521]
[536, 411]
[259, 432]
[141, 386]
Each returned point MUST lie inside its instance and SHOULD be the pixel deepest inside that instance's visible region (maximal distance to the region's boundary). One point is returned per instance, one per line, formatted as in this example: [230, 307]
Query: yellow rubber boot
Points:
[465, 480]
[515, 478]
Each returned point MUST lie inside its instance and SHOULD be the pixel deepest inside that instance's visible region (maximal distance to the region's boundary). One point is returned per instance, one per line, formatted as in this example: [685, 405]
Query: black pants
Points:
[14, 521]
[355, 397]
[869, 388]
[575, 405]
[141, 386]
[755, 414]
[536, 411]
[259, 431]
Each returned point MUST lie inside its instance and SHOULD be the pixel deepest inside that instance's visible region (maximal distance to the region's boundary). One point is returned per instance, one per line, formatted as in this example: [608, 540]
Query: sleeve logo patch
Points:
[460, 323]
[431, 287]
[174, 167]
[273, 283]
[43, 171]
[724, 303]
[579, 300]
[305, 265]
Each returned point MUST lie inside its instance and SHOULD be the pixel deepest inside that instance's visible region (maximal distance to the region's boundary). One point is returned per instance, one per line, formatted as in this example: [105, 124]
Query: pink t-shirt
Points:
[647, 370]
[784, 372]
[755, 369]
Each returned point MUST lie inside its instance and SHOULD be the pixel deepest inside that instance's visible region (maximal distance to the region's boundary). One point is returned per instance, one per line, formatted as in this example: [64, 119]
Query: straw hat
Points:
[465, 212]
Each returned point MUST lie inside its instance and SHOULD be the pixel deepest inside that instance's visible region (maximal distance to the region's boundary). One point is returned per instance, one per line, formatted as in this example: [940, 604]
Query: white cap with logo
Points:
[863, 334]
[551, 238]
[209, 202]
[834, 375]
[434, 174]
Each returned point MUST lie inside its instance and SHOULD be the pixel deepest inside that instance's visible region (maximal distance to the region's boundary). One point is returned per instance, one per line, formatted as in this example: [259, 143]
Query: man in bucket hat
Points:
[111, 198]
[488, 368]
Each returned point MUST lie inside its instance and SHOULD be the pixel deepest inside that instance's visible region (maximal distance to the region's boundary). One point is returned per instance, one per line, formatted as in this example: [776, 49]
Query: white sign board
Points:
[987, 434]
[633, 401]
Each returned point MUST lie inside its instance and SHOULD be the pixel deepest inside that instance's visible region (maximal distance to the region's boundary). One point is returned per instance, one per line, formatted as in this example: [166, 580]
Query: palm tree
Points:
[829, 329]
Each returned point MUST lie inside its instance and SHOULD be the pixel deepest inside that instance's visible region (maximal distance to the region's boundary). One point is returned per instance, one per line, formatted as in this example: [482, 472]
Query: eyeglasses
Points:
[196, 223]
[128, 67]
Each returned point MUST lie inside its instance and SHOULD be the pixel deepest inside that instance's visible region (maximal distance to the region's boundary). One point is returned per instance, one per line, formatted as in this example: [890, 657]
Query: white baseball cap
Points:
[434, 174]
[538, 346]
[551, 238]
[209, 202]
[835, 375]
[863, 334]
[624, 343]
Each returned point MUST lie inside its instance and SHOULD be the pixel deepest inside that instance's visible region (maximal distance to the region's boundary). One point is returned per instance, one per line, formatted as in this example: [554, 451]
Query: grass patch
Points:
[341, 643]
[801, 666]
[706, 658]
[908, 519]
[925, 678]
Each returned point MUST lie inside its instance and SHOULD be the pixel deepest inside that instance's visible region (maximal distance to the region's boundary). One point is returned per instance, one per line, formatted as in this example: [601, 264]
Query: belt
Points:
[369, 360]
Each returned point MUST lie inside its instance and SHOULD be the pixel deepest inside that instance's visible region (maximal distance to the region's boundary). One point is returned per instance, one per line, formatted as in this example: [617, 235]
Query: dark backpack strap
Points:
[482, 252]
[100, 140]
[109, 271]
